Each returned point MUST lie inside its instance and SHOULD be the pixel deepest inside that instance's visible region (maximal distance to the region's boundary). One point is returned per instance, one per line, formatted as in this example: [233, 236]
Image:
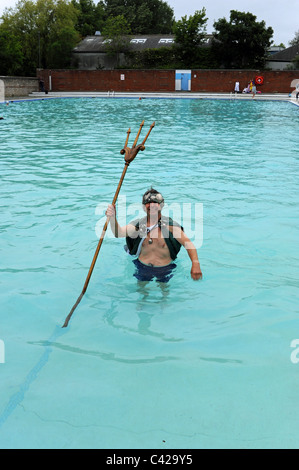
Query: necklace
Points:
[148, 229]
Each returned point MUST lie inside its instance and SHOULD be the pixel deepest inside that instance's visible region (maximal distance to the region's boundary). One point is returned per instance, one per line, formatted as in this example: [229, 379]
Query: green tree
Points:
[160, 58]
[279, 45]
[116, 32]
[22, 27]
[241, 42]
[90, 17]
[295, 40]
[62, 35]
[116, 27]
[296, 62]
[44, 31]
[11, 56]
[143, 16]
[189, 35]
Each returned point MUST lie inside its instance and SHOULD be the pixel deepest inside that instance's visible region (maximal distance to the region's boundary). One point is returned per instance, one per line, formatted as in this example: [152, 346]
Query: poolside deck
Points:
[157, 95]
[177, 94]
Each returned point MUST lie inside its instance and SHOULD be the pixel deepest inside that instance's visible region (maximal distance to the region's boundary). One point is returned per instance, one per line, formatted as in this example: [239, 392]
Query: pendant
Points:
[150, 241]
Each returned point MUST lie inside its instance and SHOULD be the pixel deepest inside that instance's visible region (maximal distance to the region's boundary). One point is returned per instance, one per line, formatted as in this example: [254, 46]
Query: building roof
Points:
[287, 55]
[98, 43]
[136, 42]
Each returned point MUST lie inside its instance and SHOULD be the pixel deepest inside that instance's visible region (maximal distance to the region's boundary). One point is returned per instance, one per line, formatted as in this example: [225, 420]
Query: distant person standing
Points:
[41, 85]
[237, 87]
[253, 90]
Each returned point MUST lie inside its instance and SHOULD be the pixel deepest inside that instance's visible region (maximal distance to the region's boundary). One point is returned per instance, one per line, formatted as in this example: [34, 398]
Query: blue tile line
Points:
[17, 398]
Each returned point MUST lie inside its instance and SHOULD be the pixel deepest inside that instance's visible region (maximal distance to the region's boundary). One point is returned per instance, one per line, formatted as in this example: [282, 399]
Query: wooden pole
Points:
[130, 154]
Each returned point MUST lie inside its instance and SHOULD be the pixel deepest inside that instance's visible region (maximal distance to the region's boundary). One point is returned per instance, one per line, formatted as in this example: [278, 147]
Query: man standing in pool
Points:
[155, 240]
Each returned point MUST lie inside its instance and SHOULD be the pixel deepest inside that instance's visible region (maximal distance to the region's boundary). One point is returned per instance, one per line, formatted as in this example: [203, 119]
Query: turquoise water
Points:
[202, 364]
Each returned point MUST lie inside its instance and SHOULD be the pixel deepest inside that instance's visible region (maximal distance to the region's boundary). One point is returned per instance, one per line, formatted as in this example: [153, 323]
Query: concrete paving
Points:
[147, 95]
[174, 95]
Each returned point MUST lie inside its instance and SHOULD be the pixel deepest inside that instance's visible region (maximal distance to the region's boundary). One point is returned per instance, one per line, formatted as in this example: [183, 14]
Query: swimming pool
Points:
[197, 365]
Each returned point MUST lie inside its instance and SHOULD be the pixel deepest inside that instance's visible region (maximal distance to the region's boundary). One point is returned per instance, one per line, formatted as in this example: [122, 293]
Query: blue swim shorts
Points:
[148, 272]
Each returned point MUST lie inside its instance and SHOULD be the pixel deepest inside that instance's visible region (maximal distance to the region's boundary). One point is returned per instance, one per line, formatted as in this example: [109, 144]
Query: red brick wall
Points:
[215, 81]
[224, 80]
[108, 80]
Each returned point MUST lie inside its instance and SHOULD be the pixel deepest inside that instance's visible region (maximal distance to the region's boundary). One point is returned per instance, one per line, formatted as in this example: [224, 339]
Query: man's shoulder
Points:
[139, 227]
[137, 222]
[168, 221]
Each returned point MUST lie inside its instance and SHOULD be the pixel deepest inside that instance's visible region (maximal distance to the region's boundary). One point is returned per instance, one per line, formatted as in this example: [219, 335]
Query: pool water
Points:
[193, 364]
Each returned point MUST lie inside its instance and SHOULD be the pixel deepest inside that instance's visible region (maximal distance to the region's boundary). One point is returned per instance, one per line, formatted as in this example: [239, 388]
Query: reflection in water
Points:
[103, 355]
[144, 289]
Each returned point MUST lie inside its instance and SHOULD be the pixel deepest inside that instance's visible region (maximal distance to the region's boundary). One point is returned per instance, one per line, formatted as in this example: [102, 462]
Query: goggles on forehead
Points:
[150, 197]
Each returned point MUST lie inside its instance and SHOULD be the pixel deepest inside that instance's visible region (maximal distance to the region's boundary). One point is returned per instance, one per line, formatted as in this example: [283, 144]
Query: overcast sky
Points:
[282, 17]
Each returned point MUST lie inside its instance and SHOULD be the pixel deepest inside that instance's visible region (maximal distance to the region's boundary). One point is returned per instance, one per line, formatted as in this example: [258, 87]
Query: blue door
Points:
[185, 80]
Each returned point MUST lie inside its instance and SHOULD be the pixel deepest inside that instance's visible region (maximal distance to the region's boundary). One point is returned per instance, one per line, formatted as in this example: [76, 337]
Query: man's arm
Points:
[118, 231]
[181, 237]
